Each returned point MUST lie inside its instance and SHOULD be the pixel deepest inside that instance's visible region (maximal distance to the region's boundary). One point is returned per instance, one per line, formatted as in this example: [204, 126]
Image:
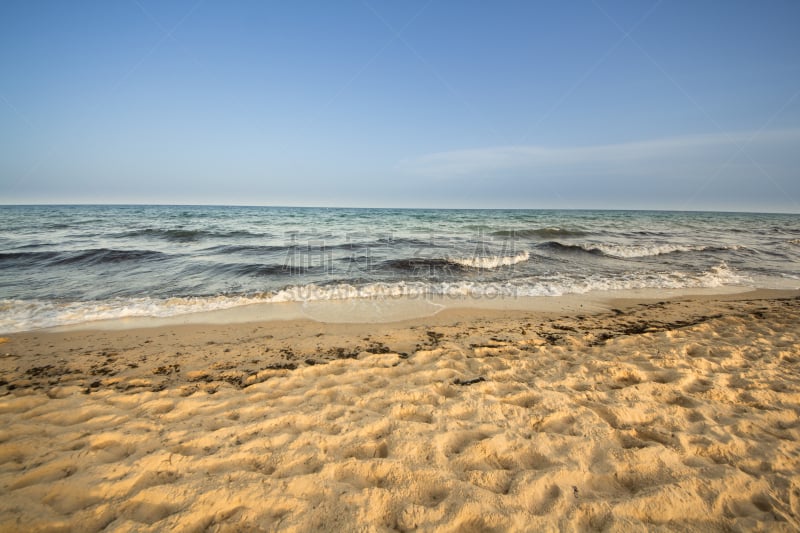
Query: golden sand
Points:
[678, 415]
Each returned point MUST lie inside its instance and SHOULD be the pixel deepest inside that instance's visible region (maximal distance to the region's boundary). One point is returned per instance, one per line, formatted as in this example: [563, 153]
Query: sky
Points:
[644, 104]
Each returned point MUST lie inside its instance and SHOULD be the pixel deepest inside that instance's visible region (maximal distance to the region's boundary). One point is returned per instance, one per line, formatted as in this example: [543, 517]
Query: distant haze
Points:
[585, 104]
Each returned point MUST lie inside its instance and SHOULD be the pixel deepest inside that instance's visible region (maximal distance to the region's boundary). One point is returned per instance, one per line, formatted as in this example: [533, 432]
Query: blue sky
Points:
[536, 104]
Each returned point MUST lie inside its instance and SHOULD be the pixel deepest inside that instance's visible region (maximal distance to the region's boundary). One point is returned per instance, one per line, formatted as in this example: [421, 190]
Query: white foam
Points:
[18, 315]
[646, 250]
[718, 276]
[24, 315]
[491, 262]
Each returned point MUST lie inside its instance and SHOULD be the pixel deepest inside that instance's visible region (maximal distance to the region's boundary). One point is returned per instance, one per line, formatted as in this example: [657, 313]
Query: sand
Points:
[674, 415]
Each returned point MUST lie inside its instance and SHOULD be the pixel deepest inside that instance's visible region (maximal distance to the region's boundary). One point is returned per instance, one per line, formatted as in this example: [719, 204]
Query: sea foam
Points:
[491, 262]
[24, 315]
[628, 251]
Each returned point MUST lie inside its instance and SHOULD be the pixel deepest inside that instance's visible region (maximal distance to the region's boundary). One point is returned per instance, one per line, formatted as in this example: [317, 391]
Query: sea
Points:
[71, 264]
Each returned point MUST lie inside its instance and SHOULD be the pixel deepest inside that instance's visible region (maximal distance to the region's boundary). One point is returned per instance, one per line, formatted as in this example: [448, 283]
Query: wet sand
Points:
[640, 415]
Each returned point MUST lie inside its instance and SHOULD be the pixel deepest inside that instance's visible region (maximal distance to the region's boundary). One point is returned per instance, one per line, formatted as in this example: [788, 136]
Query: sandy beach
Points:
[679, 414]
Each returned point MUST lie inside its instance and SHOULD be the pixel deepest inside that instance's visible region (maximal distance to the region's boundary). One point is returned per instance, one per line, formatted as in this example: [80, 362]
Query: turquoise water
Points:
[68, 264]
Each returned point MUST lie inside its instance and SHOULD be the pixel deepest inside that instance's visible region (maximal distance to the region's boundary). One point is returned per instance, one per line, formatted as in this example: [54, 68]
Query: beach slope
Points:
[671, 415]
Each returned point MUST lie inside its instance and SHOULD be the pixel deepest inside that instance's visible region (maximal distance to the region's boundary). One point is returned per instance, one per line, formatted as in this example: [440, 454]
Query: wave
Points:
[421, 263]
[55, 225]
[642, 250]
[569, 248]
[301, 247]
[244, 249]
[186, 235]
[457, 263]
[105, 255]
[552, 285]
[24, 315]
[33, 245]
[545, 233]
[407, 241]
[268, 270]
[648, 233]
[629, 251]
[491, 262]
[86, 257]
[26, 257]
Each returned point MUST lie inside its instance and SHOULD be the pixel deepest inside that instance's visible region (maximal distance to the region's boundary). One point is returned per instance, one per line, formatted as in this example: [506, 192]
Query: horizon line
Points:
[279, 206]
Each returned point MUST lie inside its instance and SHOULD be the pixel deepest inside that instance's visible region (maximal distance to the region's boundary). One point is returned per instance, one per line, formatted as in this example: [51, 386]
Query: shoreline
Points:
[234, 339]
[682, 412]
[388, 309]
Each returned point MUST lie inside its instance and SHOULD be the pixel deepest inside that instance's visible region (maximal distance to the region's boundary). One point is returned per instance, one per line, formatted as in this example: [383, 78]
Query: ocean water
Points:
[71, 264]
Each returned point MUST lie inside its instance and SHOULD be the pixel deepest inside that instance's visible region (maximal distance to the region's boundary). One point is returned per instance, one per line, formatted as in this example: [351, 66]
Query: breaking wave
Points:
[629, 251]
[489, 262]
[23, 315]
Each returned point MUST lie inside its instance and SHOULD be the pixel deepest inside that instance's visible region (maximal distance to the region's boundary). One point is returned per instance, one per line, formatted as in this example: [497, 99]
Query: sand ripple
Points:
[691, 427]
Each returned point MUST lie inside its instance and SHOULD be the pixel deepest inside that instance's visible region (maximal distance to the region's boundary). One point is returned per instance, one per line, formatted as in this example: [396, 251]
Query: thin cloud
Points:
[686, 155]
